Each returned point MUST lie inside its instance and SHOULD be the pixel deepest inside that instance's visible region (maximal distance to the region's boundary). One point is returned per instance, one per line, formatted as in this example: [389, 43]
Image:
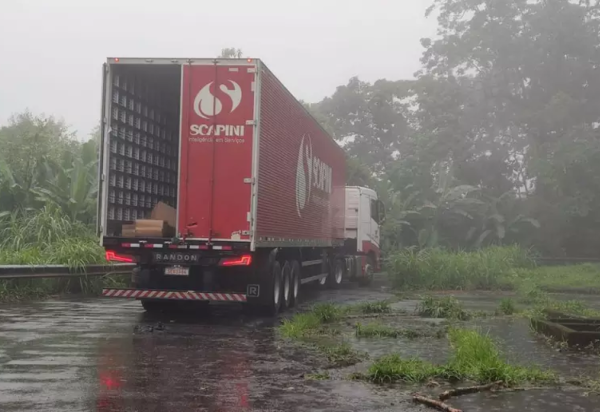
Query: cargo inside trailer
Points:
[144, 116]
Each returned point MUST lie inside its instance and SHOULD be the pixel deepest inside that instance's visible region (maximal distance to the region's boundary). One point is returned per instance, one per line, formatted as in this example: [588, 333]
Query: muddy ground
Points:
[108, 355]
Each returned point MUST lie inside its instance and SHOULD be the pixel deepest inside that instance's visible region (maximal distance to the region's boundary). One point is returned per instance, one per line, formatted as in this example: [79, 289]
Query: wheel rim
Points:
[295, 286]
[286, 287]
[368, 271]
[339, 273]
[276, 290]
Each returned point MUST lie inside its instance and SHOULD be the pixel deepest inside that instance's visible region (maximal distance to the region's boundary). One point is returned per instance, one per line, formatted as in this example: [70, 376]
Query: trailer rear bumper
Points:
[173, 295]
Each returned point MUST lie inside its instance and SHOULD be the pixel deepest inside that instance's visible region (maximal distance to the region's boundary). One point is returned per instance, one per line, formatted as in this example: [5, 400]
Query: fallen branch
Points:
[464, 391]
[439, 405]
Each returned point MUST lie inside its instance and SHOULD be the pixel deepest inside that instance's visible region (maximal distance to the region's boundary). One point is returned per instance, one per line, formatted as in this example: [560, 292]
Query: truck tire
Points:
[336, 276]
[153, 306]
[286, 285]
[273, 286]
[323, 282]
[295, 283]
[352, 268]
[369, 272]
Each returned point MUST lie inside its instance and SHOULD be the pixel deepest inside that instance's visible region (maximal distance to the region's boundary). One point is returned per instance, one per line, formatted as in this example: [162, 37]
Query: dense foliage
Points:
[496, 141]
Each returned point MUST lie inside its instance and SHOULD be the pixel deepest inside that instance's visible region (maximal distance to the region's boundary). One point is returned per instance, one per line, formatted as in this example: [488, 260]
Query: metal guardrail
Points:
[62, 271]
[564, 261]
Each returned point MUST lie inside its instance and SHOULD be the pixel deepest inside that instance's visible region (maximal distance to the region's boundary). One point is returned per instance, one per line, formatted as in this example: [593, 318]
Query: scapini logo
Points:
[311, 172]
[207, 105]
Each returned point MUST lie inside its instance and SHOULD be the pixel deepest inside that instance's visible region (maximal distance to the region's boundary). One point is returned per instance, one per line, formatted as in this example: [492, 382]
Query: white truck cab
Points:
[363, 217]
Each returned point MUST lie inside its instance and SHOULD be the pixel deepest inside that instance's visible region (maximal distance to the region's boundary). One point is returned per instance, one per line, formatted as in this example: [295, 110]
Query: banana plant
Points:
[498, 223]
[72, 186]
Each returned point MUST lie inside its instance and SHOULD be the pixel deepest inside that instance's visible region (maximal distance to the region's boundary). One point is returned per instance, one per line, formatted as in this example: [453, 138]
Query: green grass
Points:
[48, 238]
[382, 306]
[578, 278]
[442, 307]
[506, 307]
[474, 357]
[328, 312]
[319, 376]
[568, 307]
[300, 326]
[377, 330]
[394, 368]
[437, 269]
[311, 323]
[493, 268]
[342, 354]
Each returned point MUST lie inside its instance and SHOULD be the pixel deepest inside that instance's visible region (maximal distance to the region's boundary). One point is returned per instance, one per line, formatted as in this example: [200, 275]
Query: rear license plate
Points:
[177, 271]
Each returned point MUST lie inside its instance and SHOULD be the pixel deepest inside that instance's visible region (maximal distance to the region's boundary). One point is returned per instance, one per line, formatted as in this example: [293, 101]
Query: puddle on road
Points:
[89, 356]
[547, 400]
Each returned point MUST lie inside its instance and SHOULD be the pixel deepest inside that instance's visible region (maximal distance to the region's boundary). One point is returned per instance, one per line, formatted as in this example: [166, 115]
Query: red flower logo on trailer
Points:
[207, 105]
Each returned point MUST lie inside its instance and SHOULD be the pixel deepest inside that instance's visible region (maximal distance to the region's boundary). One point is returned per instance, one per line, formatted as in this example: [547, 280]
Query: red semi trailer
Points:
[257, 185]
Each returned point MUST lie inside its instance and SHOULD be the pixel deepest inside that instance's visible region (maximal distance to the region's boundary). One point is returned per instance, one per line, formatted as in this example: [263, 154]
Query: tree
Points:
[368, 119]
[43, 164]
[513, 90]
[73, 184]
[231, 53]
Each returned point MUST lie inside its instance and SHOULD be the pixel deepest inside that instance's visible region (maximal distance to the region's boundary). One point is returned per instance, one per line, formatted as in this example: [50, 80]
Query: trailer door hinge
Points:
[103, 177]
[249, 180]
[250, 123]
[247, 232]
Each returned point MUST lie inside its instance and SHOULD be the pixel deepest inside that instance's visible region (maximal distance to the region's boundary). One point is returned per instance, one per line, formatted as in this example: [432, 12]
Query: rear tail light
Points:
[113, 256]
[244, 260]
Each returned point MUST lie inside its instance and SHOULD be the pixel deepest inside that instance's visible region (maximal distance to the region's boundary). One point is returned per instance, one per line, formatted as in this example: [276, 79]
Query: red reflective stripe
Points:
[179, 295]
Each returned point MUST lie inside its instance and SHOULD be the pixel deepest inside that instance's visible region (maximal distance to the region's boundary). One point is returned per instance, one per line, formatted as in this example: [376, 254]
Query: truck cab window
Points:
[375, 210]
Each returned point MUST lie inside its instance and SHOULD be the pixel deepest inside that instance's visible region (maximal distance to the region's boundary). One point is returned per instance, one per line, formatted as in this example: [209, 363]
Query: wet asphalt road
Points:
[109, 355]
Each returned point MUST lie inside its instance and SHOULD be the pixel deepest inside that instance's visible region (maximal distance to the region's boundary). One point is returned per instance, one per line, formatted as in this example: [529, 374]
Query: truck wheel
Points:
[153, 306]
[295, 283]
[322, 282]
[368, 274]
[273, 306]
[286, 285]
[352, 268]
[335, 278]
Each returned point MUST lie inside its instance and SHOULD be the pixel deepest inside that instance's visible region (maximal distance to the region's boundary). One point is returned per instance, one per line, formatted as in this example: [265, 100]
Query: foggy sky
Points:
[51, 51]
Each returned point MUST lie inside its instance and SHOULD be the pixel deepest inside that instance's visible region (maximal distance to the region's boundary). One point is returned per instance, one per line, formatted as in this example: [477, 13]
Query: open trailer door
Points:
[216, 158]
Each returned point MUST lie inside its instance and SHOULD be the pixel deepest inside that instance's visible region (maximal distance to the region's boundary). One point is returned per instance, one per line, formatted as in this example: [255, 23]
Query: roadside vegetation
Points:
[48, 237]
[378, 330]
[442, 307]
[509, 268]
[475, 357]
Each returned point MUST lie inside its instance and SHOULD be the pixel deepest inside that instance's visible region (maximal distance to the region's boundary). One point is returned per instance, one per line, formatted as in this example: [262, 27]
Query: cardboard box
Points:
[128, 230]
[153, 228]
[163, 211]
[161, 223]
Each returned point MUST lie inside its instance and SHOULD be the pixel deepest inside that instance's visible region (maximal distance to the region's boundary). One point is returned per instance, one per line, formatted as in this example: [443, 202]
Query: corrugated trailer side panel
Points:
[301, 174]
